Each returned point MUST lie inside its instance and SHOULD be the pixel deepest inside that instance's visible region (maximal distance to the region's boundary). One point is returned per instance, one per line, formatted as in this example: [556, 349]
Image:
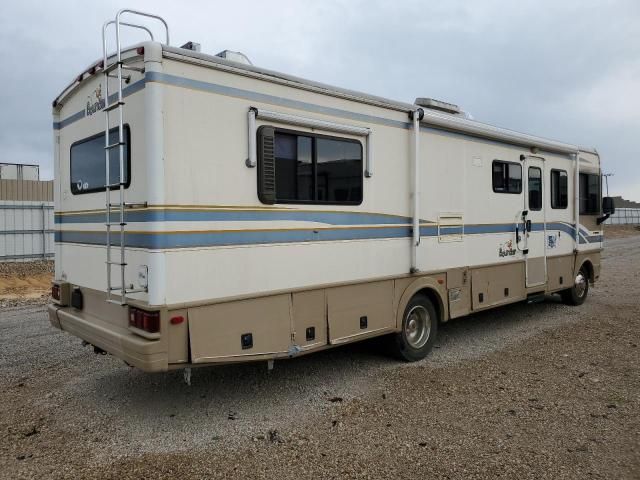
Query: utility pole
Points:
[606, 180]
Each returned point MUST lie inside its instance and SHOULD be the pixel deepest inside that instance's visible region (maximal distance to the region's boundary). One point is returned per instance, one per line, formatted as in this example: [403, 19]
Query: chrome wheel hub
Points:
[417, 327]
[580, 284]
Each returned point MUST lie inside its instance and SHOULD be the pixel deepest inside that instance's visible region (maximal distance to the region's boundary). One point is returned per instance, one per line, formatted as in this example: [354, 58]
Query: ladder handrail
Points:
[104, 37]
[142, 14]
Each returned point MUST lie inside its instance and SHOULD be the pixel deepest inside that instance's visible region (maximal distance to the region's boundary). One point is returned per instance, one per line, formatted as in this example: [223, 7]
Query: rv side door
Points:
[534, 222]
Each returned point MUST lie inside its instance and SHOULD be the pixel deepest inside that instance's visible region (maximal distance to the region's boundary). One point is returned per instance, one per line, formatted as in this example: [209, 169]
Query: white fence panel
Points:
[624, 216]
[26, 230]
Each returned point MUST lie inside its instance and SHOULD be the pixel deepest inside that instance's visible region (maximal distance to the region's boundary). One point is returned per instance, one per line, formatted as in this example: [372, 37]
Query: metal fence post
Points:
[44, 232]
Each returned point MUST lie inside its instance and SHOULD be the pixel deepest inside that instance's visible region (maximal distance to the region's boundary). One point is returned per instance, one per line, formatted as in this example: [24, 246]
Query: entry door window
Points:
[535, 188]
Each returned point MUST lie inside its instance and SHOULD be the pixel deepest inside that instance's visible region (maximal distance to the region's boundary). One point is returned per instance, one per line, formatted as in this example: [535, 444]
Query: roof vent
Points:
[191, 46]
[238, 57]
[439, 105]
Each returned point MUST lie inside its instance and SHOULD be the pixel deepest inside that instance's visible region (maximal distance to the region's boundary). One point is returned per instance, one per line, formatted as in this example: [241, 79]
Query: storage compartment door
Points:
[309, 319]
[360, 311]
[237, 331]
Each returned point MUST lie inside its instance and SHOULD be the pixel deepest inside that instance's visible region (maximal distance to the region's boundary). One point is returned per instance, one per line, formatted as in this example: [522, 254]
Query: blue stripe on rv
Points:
[163, 240]
[328, 218]
[168, 215]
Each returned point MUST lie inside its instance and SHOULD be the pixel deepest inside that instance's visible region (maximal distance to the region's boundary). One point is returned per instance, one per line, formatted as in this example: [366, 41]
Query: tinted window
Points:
[294, 167]
[506, 177]
[559, 189]
[535, 188]
[87, 163]
[589, 194]
[339, 171]
[315, 169]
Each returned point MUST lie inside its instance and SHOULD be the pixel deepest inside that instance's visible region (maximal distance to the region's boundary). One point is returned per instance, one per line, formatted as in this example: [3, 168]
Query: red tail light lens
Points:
[55, 291]
[147, 321]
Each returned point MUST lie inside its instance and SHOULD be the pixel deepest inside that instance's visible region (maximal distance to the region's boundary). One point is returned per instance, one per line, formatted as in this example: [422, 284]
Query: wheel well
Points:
[432, 295]
[589, 268]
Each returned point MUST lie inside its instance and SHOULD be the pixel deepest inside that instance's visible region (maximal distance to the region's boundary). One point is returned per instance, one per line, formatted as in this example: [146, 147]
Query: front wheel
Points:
[419, 329]
[577, 294]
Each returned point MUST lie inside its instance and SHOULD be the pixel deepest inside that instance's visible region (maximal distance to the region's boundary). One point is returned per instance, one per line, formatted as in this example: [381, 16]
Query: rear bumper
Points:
[147, 355]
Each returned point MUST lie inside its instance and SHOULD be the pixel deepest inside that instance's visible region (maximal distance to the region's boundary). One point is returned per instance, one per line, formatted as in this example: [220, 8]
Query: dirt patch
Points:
[621, 231]
[25, 282]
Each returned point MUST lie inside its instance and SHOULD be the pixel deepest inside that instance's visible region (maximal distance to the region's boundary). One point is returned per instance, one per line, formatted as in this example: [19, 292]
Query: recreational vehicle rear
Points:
[211, 211]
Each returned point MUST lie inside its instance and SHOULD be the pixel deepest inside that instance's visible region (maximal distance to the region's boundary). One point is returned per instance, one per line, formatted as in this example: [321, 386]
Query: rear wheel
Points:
[577, 294]
[419, 329]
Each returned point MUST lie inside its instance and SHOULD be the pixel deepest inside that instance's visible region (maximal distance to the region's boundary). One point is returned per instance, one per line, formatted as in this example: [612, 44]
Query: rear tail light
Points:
[143, 320]
[60, 293]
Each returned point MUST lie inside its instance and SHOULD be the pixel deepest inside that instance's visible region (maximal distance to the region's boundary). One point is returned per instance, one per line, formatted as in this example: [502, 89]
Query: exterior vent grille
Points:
[267, 165]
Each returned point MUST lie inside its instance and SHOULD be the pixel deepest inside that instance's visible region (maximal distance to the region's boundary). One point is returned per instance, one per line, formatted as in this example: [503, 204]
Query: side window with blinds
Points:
[506, 177]
[301, 167]
[559, 189]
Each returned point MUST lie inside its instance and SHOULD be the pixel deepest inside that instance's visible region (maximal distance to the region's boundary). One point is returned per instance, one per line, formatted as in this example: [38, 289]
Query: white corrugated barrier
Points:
[624, 216]
[26, 230]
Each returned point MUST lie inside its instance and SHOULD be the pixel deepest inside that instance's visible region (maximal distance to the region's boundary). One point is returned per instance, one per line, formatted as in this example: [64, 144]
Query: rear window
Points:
[87, 163]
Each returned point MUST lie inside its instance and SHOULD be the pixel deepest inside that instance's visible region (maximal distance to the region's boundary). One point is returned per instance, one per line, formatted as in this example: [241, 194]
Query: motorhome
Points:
[211, 211]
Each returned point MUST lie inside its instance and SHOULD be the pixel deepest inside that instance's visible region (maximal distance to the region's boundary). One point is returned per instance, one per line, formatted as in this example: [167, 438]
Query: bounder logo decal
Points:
[95, 102]
[506, 249]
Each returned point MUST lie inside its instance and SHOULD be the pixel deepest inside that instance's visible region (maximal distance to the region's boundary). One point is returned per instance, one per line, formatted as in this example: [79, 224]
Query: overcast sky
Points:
[568, 70]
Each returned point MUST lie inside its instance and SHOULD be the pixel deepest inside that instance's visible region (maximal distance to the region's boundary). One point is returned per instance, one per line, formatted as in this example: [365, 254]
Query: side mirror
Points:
[608, 208]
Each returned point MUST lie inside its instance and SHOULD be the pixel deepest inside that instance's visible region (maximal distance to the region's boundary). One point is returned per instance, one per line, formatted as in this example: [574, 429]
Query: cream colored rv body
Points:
[219, 264]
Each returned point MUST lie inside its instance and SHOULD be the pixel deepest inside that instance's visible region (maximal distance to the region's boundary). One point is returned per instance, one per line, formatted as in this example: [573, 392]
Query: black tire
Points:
[409, 344]
[577, 294]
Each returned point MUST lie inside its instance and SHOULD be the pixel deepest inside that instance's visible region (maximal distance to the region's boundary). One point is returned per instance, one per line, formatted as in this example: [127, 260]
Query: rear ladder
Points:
[118, 294]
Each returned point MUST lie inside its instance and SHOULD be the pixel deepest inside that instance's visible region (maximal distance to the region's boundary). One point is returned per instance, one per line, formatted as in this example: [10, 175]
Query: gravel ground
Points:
[25, 283]
[527, 391]
[620, 231]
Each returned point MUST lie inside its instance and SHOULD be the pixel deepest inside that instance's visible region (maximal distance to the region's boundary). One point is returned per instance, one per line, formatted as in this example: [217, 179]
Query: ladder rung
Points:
[115, 185]
[116, 302]
[129, 205]
[111, 67]
[114, 66]
[113, 106]
[130, 290]
[134, 69]
[126, 78]
[114, 145]
[115, 224]
[135, 290]
[116, 263]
